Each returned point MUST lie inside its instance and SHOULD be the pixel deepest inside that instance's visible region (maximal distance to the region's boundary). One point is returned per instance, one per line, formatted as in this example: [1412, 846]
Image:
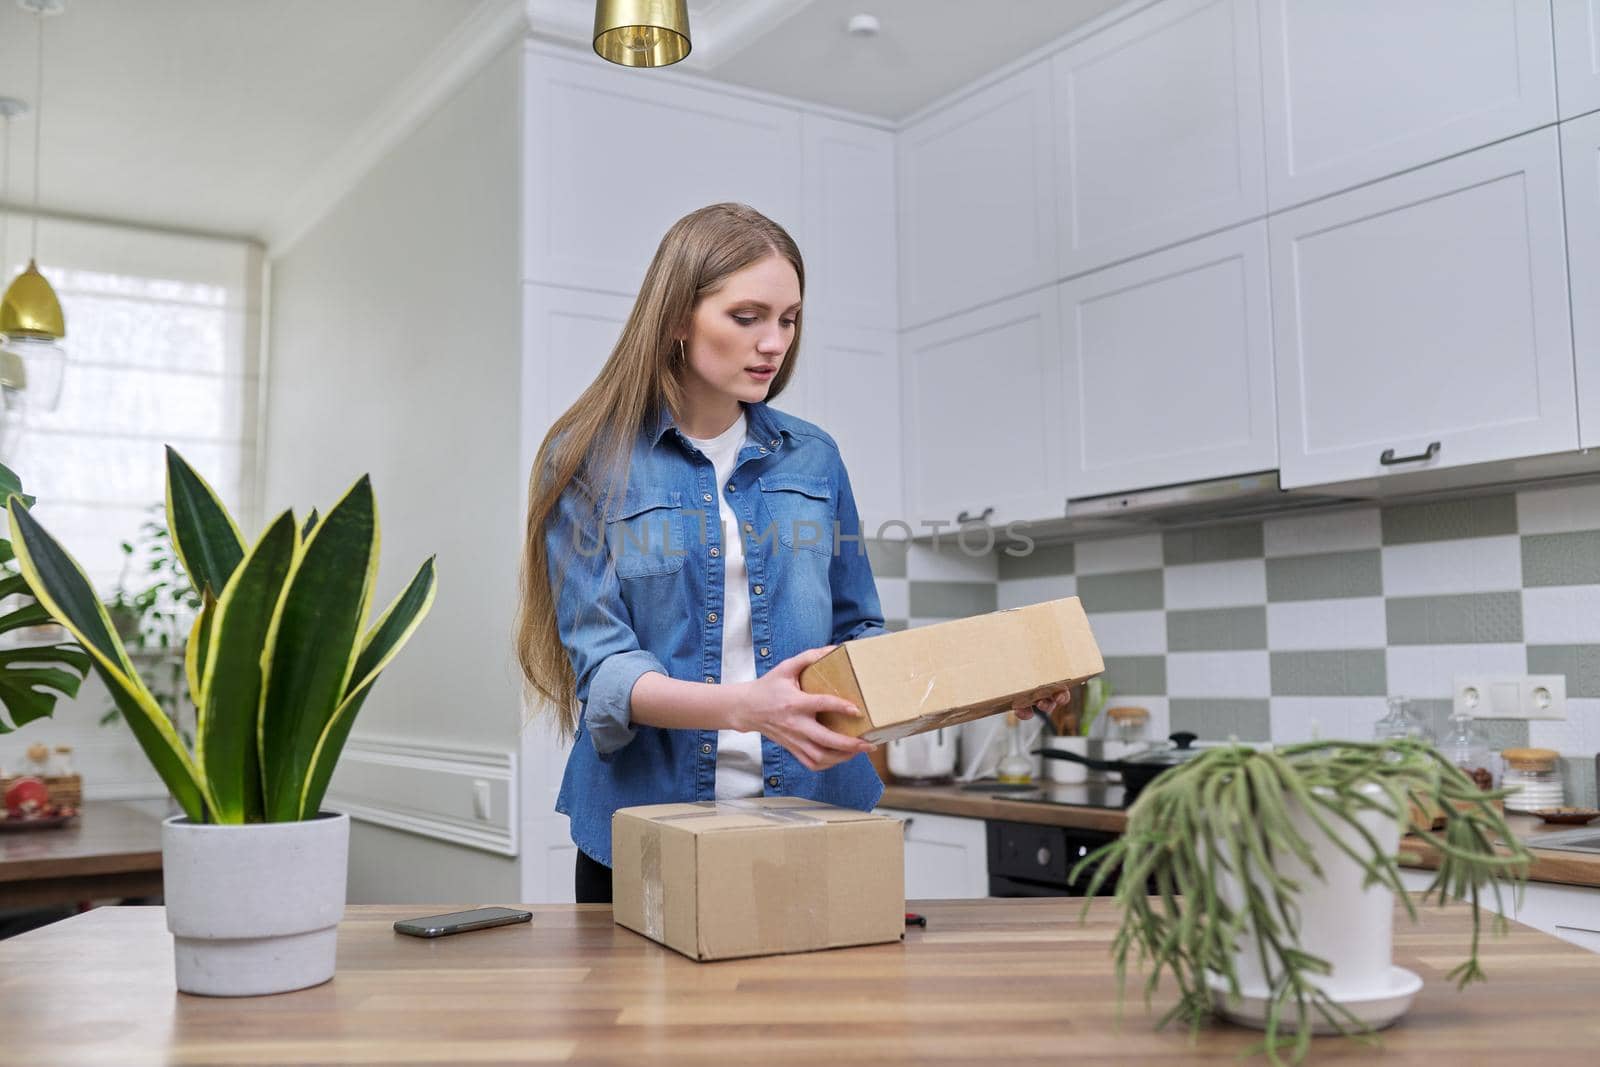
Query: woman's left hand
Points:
[1046, 705]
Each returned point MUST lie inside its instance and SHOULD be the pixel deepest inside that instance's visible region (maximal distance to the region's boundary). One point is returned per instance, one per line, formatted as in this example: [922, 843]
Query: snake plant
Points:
[1225, 814]
[279, 659]
[29, 673]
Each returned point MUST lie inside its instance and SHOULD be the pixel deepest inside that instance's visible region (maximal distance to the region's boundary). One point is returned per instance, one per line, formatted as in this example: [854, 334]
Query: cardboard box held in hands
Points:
[720, 879]
[953, 672]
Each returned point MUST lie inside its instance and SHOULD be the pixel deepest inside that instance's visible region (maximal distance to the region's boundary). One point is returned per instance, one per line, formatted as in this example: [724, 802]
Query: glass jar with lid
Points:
[1127, 731]
[1403, 720]
[1535, 773]
[1468, 748]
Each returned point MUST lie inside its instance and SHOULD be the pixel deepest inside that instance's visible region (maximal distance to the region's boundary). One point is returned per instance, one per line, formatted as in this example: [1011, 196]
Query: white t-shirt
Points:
[738, 752]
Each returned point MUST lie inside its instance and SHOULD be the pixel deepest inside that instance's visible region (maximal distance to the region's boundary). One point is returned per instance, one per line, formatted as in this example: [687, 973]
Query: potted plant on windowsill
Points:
[1264, 881]
[279, 661]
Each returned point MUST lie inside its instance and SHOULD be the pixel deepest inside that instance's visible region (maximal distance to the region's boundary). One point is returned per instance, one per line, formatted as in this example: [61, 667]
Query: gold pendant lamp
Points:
[31, 322]
[641, 33]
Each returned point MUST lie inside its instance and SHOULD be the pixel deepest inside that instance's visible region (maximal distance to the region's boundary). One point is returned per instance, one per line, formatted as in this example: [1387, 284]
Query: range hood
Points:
[1238, 496]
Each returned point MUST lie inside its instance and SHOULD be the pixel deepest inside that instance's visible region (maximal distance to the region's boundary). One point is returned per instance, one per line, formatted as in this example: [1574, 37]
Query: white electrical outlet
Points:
[1529, 696]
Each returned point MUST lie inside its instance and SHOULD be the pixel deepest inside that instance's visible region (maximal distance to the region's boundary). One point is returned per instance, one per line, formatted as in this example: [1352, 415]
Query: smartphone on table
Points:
[457, 922]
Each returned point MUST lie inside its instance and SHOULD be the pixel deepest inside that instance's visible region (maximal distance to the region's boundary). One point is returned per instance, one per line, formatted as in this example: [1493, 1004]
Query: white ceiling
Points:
[239, 117]
[204, 114]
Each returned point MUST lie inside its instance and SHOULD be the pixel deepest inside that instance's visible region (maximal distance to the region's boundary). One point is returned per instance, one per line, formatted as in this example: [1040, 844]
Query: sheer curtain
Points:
[163, 333]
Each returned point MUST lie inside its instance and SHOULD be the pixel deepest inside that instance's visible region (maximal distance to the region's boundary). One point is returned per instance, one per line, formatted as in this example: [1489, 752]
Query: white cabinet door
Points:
[568, 335]
[1430, 308]
[977, 203]
[613, 159]
[1360, 89]
[947, 857]
[983, 413]
[1569, 912]
[1580, 158]
[848, 383]
[849, 232]
[1158, 131]
[1577, 28]
[1168, 367]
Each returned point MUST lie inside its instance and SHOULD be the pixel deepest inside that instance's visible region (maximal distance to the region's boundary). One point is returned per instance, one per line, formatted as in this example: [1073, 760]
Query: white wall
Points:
[394, 349]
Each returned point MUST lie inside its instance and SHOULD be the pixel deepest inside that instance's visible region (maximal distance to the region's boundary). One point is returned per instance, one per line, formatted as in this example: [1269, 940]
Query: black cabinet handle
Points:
[1389, 459]
[964, 517]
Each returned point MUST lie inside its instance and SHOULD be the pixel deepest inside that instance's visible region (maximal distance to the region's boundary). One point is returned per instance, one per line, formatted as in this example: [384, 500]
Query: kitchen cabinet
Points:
[1577, 34]
[1168, 367]
[977, 199]
[1570, 912]
[1422, 321]
[1157, 130]
[598, 138]
[1580, 160]
[1361, 89]
[848, 233]
[848, 383]
[946, 856]
[983, 415]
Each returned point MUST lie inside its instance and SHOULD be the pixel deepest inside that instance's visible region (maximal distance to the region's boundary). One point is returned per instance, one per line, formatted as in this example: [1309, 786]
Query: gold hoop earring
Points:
[683, 356]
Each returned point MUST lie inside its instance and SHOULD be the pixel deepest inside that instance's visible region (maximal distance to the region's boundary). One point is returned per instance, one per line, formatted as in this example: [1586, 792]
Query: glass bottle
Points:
[1402, 720]
[1016, 768]
[62, 766]
[37, 761]
[1468, 748]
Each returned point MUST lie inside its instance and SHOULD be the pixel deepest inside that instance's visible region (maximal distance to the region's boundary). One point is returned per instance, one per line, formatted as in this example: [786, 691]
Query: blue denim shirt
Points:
[649, 598]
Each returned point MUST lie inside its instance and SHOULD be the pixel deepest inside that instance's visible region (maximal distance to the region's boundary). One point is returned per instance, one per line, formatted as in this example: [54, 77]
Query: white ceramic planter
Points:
[1061, 770]
[254, 909]
[1348, 924]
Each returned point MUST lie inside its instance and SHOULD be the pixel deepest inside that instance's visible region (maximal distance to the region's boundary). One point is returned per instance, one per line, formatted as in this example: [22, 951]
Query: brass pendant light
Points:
[30, 308]
[31, 322]
[641, 33]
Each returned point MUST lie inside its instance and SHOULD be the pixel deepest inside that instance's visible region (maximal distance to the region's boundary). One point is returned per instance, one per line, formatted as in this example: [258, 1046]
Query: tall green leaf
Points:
[64, 590]
[203, 533]
[311, 524]
[311, 645]
[194, 655]
[232, 680]
[382, 643]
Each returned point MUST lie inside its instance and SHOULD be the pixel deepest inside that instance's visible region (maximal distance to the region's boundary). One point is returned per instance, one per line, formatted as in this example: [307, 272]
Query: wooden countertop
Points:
[953, 800]
[107, 837]
[1550, 865]
[1018, 981]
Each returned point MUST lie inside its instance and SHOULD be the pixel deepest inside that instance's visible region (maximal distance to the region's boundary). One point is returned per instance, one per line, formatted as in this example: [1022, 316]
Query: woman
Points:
[691, 550]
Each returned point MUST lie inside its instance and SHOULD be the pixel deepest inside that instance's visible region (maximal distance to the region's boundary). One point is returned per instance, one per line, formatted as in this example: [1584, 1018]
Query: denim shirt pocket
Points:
[648, 533]
[800, 506]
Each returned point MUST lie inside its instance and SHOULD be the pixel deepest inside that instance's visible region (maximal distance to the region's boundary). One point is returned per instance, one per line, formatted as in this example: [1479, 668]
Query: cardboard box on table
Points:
[952, 672]
[722, 879]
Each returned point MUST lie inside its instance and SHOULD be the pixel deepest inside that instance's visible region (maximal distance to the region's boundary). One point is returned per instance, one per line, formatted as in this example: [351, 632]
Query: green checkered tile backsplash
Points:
[1301, 625]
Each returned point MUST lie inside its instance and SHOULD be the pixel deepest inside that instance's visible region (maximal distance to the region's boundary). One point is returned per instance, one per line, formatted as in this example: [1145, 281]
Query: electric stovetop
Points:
[1077, 794]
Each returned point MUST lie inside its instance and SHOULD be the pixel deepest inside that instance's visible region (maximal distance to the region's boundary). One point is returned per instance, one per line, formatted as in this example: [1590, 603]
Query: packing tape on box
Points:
[770, 879]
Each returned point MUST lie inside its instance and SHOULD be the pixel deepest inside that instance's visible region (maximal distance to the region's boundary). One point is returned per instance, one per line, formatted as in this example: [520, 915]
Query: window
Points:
[163, 333]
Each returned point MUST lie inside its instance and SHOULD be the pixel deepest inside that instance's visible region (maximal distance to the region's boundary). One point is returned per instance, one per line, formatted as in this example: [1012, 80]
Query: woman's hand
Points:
[1045, 705]
[782, 711]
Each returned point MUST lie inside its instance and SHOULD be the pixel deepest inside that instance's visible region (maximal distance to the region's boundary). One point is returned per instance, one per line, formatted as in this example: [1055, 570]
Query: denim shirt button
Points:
[757, 590]
[748, 528]
[773, 781]
[762, 451]
[706, 497]
[711, 616]
[706, 749]
[715, 551]
[765, 651]
[731, 487]
[711, 678]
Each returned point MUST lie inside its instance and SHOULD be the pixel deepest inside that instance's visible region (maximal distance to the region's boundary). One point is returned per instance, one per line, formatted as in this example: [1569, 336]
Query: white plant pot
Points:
[254, 909]
[1061, 770]
[1341, 921]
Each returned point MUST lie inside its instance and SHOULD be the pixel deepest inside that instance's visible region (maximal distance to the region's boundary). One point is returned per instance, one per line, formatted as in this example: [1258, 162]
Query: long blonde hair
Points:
[589, 445]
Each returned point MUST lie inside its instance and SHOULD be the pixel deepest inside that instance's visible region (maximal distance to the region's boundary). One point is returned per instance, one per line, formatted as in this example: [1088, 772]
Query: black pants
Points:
[591, 881]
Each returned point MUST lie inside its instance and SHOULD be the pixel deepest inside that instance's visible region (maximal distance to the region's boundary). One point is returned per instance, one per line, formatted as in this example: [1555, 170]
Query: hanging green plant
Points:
[1202, 885]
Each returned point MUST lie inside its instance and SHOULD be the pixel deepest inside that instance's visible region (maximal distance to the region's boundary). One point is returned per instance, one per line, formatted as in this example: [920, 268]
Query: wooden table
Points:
[113, 851]
[1003, 981]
